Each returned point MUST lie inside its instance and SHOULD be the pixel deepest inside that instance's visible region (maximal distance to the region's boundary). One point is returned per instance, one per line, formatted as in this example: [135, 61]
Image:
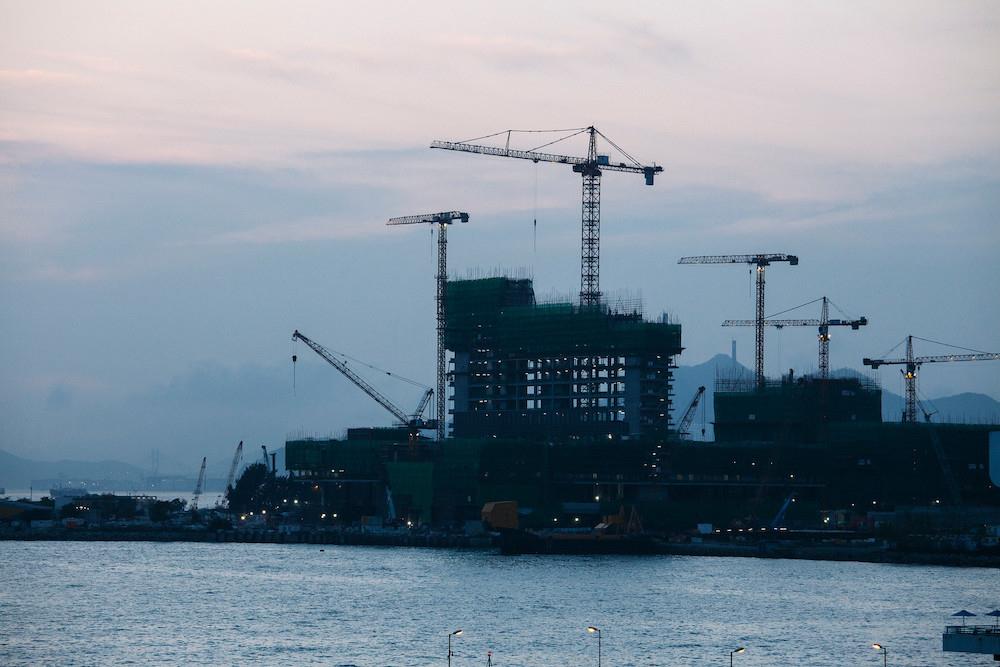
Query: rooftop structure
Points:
[555, 370]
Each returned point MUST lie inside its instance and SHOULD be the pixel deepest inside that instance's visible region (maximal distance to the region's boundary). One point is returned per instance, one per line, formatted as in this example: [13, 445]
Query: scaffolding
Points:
[561, 370]
[799, 409]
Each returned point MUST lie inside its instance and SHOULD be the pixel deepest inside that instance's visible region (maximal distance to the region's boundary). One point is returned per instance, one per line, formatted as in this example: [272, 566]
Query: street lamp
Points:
[732, 653]
[885, 653]
[457, 632]
[593, 629]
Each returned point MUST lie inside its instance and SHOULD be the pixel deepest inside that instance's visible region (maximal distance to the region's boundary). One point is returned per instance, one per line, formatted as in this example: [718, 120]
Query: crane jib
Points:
[359, 382]
[602, 163]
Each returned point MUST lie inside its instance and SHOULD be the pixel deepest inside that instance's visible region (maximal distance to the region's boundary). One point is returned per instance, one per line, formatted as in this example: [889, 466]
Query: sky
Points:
[185, 184]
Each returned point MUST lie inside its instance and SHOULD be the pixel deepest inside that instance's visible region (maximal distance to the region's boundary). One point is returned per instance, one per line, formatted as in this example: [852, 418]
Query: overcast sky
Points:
[184, 184]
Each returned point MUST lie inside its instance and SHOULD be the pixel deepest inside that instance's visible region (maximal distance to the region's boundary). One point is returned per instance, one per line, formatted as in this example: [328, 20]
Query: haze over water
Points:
[76, 603]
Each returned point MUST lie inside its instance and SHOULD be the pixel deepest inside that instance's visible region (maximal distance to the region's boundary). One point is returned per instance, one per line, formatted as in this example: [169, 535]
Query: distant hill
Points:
[687, 379]
[17, 474]
[967, 408]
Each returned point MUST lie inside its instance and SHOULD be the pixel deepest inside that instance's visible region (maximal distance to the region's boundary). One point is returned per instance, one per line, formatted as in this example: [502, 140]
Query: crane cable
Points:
[534, 239]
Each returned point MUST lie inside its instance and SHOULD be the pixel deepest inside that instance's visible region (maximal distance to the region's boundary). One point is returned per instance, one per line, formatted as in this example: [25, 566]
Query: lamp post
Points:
[885, 653]
[732, 653]
[593, 629]
[457, 632]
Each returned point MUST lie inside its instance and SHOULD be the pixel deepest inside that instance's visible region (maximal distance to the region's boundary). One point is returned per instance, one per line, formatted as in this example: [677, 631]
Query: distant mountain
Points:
[967, 408]
[17, 474]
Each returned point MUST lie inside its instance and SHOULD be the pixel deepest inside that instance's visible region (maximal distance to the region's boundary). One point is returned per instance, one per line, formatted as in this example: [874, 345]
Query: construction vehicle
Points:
[912, 363]
[442, 220]
[761, 261]
[590, 168]
[823, 323]
[617, 524]
[500, 515]
[683, 428]
[414, 422]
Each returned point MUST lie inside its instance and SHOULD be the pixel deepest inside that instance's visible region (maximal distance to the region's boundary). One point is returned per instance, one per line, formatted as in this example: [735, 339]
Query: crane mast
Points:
[442, 220]
[912, 363]
[823, 323]
[590, 169]
[761, 261]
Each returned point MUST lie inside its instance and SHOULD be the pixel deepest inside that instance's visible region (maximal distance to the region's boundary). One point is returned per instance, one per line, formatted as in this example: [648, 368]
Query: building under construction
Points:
[524, 369]
[565, 409]
[793, 408]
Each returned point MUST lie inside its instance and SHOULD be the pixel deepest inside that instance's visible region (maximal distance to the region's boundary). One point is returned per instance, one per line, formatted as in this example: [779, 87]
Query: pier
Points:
[972, 639]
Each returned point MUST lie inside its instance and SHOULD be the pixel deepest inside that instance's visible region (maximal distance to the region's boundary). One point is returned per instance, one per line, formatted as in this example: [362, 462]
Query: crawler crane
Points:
[414, 422]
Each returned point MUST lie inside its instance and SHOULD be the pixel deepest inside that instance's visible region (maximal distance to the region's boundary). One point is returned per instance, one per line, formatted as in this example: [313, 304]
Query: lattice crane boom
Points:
[912, 363]
[442, 220]
[685, 423]
[197, 489]
[854, 324]
[232, 468]
[760, 260]
[445, 218]
[379, 397]
[590, 168]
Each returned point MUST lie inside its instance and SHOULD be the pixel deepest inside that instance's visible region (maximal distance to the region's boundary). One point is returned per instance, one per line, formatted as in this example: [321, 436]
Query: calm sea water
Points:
[72, 603]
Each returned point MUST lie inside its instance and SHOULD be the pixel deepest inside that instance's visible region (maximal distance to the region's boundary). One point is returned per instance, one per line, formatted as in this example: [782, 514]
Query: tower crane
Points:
[413, 422]
[590, 168]
[442, 220]
[912, 363]
[197, 489]
[824, 323]
[688, 417]
[761, 261]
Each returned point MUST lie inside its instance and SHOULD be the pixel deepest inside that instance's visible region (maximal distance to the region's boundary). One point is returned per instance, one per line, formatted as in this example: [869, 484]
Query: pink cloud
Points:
[38, 76]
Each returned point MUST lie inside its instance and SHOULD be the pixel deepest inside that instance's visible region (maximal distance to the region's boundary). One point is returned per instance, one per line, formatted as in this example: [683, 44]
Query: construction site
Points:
[568, 410]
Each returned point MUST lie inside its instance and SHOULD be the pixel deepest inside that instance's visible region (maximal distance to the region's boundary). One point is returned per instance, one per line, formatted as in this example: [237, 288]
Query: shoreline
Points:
[489, 543]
